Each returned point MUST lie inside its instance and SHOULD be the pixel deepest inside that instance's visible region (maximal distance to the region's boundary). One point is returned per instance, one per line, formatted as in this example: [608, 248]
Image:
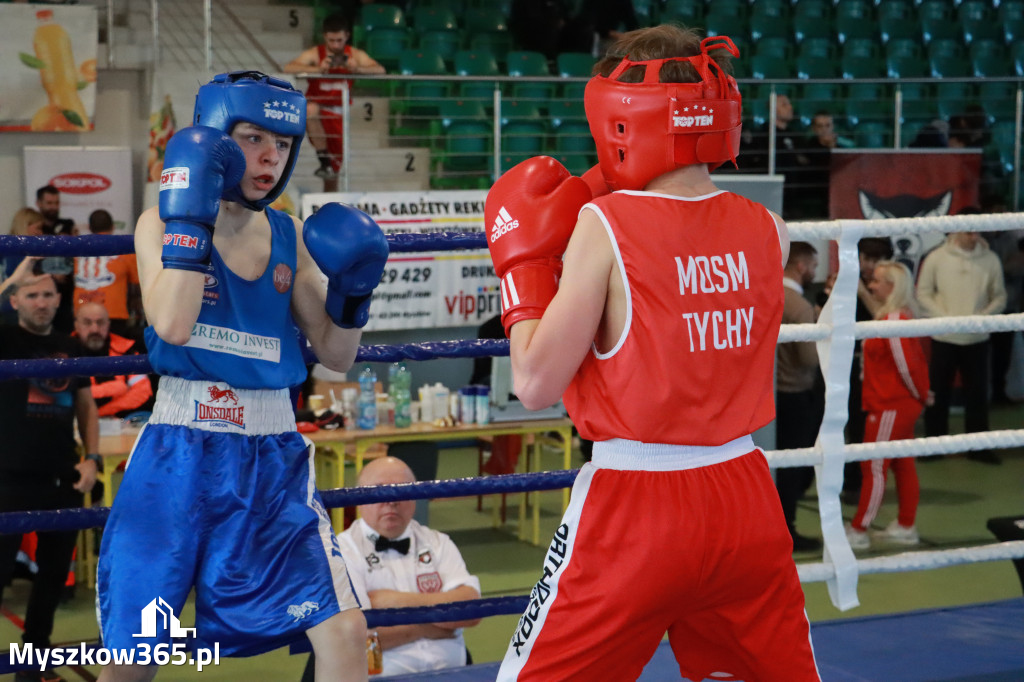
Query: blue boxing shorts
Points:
[219, 493]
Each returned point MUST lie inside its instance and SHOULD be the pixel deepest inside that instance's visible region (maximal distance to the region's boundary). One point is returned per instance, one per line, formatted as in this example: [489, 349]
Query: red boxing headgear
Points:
[643, 130]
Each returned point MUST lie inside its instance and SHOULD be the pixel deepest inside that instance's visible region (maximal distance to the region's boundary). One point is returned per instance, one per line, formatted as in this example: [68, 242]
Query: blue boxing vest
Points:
[245, 335]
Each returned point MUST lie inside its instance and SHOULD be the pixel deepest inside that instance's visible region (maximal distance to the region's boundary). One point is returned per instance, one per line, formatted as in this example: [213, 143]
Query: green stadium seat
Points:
[897, 20]
[774, 47]
[1011, 17]
[483, 20]
[918, 101]
[937, 20]
[374, 16]
[810, 67]
[498, 44]
[574, 146]
[862, 67]
[947, 47]
[434, 19]
[762, 27]
[818, 48]
[444, 43]
[686, 12]
[978, 21]
[575, 65]
[998, 99]
[906, 67]
[951, 98]
[566, 110]
[1003, 135]
[949, 67]
[474, 63]
[721, 21]
[812, 19]
[387, 44]
[815, 97]
[867, 102]
[456, 7]
[855, 19]
[904, 47]
[770, 66]
[872, 135]
[466, 133]
[417, 104]
[989, 59]
[861, 48]
[523, 132]
[527, 64]
[1017, 57]
[646, 11]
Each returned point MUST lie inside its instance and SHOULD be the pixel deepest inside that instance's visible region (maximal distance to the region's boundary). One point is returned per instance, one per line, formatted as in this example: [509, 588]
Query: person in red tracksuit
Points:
[334, 56]
[895, 374]
[653, 310]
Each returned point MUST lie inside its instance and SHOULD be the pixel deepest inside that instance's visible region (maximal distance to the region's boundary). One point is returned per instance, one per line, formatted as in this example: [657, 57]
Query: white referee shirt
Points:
[433, 564]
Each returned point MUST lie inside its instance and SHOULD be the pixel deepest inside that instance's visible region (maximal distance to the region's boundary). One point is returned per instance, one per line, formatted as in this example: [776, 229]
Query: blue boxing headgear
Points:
[262, 100]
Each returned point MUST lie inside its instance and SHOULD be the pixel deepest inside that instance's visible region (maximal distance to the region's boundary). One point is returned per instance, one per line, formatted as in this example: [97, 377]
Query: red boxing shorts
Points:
[649, 546]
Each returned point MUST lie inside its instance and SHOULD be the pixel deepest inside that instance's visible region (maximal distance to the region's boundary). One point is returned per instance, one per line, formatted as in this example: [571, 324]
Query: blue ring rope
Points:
[50, 368]
[119, 244]
[80, 518]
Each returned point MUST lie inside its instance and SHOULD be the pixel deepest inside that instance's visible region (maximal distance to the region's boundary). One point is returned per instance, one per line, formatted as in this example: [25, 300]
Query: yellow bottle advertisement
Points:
[48, 83]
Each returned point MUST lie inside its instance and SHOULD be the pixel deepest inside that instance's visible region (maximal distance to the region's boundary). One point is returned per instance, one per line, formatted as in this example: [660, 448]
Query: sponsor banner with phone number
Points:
[434, 288]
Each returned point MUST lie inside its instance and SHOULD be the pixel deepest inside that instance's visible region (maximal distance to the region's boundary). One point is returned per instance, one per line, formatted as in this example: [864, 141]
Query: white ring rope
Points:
[901, 227]
[918, 561]
[834, 334]
[883, 329]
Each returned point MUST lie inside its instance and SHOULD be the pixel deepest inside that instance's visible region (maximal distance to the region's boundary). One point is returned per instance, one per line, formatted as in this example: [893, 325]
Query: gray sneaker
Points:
[899, 535]
[325, 172]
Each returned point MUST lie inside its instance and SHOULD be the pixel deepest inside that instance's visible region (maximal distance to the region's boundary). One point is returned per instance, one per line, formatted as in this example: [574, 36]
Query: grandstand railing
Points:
[891, 121]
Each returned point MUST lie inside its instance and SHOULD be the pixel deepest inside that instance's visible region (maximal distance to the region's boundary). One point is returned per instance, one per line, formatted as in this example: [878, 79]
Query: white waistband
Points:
[632, 455]
[216, 406]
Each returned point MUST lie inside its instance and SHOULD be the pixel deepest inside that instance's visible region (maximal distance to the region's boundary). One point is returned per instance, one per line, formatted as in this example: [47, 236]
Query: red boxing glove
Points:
[532, 210]
[595, 180]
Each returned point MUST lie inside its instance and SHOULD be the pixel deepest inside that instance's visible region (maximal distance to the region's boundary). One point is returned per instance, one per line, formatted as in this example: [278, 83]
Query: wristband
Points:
[187, 246]
[98, 459]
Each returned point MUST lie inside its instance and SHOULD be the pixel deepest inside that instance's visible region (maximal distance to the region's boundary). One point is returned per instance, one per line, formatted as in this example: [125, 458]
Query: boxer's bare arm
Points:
[546, 353]
[171, 298]
[335, 347]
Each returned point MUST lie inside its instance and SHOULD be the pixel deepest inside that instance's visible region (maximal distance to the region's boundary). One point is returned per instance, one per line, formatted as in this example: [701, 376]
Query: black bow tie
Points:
[400, 546]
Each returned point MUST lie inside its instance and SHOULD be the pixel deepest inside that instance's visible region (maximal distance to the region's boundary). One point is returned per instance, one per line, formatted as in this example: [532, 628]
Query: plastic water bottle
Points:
[401, 386]
[367, 405]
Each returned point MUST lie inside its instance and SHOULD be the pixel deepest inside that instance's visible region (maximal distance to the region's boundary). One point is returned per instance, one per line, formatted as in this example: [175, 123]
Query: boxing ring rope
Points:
[834, 333]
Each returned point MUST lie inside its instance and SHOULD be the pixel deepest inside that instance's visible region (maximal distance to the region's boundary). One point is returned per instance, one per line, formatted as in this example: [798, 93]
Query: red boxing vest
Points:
[328, 92]
[694, 364]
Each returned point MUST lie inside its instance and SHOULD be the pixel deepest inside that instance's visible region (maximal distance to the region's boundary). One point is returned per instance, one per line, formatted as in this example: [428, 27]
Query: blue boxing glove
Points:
[199, 164]
[351, 250]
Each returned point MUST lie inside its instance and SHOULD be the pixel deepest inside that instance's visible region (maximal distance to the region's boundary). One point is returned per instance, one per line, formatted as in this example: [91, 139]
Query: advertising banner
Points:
[903, 183]
[430, 289]
[88, 178]
[48, 77]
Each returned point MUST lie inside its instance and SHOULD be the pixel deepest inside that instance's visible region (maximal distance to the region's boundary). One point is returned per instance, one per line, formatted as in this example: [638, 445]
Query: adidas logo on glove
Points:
[502, 224]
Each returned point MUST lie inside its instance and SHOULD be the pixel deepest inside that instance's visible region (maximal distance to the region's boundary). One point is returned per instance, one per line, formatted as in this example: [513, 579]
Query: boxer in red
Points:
[653, 310]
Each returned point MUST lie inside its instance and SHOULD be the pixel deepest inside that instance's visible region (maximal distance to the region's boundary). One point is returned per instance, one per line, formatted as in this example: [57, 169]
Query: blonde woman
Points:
[895, 392]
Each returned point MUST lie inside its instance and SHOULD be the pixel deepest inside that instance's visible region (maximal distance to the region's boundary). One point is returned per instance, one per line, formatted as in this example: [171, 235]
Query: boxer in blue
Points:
[219, 493]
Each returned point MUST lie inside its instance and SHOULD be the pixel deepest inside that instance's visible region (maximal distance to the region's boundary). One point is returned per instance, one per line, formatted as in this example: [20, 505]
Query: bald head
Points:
[92, 325]
[389, 519]
[385, 471]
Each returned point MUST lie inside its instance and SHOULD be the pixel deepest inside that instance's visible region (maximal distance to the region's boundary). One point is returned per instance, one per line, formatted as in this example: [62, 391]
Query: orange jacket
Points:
[125, 392]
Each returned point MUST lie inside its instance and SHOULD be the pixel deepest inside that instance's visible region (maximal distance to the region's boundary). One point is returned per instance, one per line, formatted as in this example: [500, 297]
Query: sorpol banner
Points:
[903, 183]
[88, 178]
[47, 68]
[430, 289]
